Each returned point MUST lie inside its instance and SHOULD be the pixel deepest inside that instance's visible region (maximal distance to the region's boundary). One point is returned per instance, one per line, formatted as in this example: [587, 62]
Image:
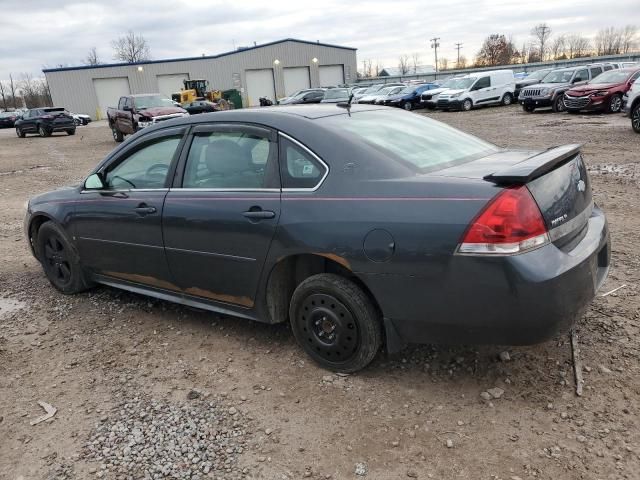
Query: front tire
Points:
[20, 133]
[528, 108]
[467, 105]
[558, 104]
[615, 104]
[335, 322]
[408, 106]
[635, 118]
[43, 132]
[117, 135]
[71, 131]
[507, 99]
[59, 260]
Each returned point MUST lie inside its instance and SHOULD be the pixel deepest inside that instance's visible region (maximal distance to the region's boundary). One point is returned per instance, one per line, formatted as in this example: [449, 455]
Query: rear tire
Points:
[117, 135]
[558, 104]
[615, 104]
[71, 132]
[335, 322]
[20, 133]
[59, 260]
[507, 99]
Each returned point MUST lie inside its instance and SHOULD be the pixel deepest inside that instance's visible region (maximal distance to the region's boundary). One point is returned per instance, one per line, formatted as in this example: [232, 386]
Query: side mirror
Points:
[94, 182]
[127, 108]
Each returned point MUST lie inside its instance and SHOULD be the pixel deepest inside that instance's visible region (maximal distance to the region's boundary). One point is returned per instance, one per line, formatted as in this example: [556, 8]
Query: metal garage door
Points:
[109, 91]
[295, 78]
[259, 84]
[331, 75]
[168, 84]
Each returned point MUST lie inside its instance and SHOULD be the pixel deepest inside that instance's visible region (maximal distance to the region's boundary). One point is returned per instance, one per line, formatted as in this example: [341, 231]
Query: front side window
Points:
[581, 76]
[145, 168]
[483, 82]
[228, 160]
[298, 168]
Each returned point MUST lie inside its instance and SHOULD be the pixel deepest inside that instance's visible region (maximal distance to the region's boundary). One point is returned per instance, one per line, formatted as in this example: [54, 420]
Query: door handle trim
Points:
[259, 214]
[145, 210]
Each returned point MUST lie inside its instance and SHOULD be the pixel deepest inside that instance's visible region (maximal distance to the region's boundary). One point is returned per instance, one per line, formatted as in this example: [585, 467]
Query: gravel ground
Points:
[143, 388]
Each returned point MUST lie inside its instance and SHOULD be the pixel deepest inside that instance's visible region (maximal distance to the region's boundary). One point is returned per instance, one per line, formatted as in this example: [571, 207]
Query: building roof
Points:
[204, 57]
[396, 72]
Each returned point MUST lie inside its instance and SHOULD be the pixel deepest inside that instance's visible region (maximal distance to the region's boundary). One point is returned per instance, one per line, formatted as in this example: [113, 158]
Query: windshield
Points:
[150, 101]
[299, 94]
[416, 141]
[373, 89]
[612, 76]
[336, 93]
[538, 75]
[558, 76]
[462, 83]
[395, 90]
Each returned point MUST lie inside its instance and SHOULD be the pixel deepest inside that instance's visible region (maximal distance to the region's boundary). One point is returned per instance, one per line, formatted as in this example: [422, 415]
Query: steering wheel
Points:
[159, 170]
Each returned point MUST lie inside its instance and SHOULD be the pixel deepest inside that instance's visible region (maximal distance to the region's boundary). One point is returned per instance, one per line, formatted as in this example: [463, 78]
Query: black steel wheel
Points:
[59, 261]
[635, 118]
[335, 322]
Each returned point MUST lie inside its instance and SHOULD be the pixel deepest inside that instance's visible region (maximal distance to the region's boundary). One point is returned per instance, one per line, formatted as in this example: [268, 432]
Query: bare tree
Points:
[496, 50]
[92, 57]
[443, 64]
[131, 48]
[35, 91]
[415, 60]
[462, 63]
[608, 41]
[377, 69]
[541, 32]
[577, 46]
[557, 47]
[13, 91]
[366, 68]
[4, 98]
[629, 39]
[403, 64]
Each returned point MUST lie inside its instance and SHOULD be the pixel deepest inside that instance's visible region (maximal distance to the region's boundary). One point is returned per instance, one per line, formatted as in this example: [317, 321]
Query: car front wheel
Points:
[466, 105]
[615, 103]
[71, 131]
[558, 104]
[528, 108]
[335, 322]
[20, 133]
[43, 132]
[635, 118]
[407, 106]
[59, 261]
[117, 135]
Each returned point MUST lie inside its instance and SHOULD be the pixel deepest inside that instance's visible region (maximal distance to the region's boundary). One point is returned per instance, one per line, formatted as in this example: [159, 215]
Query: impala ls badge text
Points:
[581, 185]
[561, 219]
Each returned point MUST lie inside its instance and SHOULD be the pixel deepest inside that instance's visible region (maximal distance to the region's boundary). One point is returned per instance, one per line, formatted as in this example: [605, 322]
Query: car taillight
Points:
[510, 223]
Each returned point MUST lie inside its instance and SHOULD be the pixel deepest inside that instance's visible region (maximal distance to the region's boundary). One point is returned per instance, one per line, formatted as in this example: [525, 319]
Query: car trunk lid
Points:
[557, 179]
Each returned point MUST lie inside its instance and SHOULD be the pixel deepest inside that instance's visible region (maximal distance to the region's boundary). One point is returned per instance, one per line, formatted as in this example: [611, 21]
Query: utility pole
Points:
[435, 43]
[458, 47]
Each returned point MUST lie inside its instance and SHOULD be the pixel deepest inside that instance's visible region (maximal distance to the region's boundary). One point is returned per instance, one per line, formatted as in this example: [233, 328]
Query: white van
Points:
[479, 88]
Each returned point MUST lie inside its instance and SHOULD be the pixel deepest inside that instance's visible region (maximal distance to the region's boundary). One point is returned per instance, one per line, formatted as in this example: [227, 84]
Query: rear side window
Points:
[298, 167]
[595, 71]
[228, 160]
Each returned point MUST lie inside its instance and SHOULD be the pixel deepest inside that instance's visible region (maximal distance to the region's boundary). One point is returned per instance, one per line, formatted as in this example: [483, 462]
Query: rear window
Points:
[415, 141]
[54, 109]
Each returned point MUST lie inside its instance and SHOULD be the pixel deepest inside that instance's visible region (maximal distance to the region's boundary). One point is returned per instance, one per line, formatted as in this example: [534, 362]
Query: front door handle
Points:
[144, 209]
[259, 214]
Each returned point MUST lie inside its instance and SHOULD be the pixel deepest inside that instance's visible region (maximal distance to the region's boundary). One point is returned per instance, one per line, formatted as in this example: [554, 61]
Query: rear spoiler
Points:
[535, 166]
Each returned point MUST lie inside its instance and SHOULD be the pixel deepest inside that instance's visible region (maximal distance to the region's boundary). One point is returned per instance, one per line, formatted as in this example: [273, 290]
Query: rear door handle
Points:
[144, 209]
[259, 214]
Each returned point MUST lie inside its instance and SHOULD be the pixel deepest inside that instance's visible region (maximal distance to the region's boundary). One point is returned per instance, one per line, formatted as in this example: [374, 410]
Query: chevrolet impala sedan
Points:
[362, 226]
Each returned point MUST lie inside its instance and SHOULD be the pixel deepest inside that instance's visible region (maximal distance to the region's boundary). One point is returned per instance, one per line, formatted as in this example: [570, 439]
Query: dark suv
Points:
[45, 121]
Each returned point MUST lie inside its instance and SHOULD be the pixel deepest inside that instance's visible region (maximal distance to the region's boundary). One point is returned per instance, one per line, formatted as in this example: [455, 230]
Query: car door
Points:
[581, 77]
[313, 97]
[26, 123]
[118, 225]
[483, 92]
[125, 116]
[221, 215]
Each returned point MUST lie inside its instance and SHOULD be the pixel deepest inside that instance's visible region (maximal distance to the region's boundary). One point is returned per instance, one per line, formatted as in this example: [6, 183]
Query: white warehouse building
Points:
[274, 70]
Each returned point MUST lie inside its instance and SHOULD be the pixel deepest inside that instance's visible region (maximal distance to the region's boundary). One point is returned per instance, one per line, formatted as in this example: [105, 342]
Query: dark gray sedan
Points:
[362, 227]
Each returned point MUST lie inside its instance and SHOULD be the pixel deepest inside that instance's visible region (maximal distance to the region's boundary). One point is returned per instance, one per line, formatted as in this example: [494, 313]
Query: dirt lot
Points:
[103, 356]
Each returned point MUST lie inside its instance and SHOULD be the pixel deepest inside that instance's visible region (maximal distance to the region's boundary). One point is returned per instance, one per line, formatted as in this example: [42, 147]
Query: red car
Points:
[603, 93]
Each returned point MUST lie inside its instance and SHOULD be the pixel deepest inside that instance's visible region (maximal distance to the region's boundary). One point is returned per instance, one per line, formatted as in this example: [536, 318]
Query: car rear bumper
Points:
[61, 126]
[512, 300]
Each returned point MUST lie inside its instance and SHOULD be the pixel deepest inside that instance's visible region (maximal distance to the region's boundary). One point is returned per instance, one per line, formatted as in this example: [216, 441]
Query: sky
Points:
[46, 33]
